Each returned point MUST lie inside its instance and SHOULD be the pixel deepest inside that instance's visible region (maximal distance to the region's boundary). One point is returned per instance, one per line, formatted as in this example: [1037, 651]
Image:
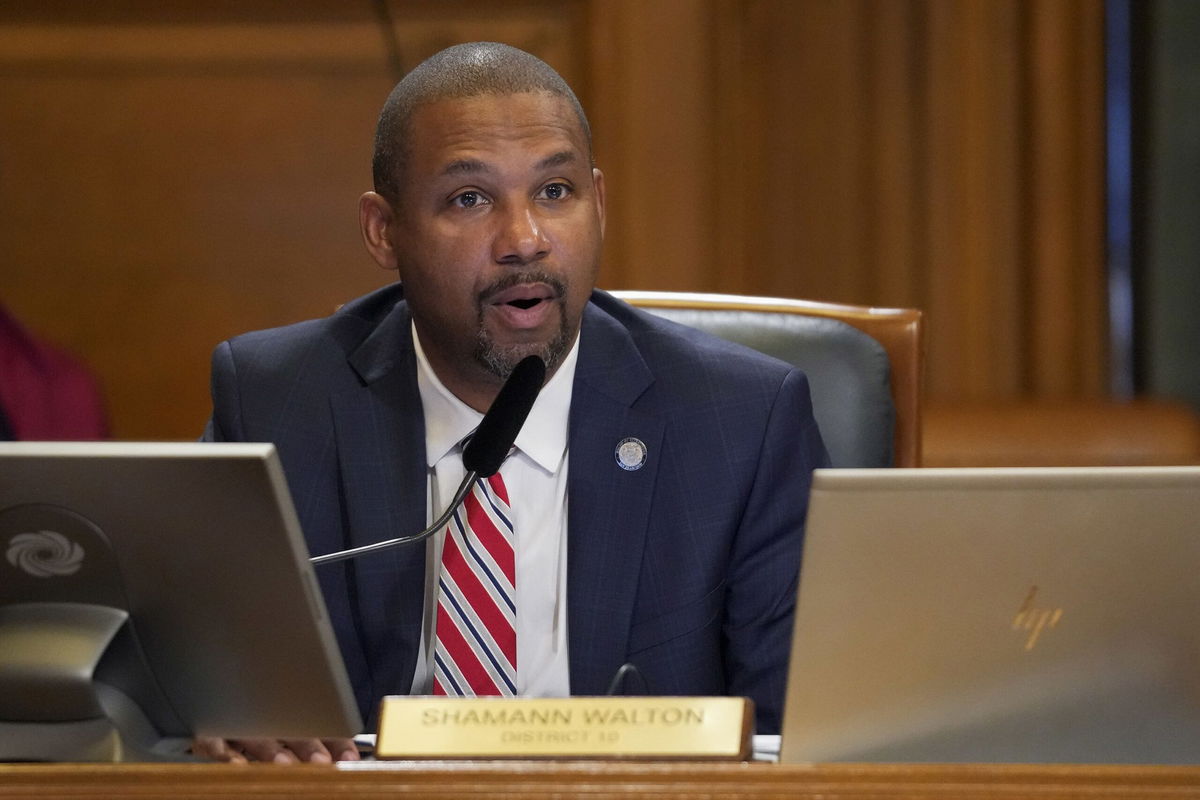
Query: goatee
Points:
[499, 360]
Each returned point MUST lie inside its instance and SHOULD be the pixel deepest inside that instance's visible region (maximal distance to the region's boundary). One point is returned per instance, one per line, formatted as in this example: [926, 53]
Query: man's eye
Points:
[467, 199]
[556, 191]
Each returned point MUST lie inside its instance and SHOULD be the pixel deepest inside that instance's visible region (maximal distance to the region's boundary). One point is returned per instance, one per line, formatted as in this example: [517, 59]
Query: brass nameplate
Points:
[565, 727]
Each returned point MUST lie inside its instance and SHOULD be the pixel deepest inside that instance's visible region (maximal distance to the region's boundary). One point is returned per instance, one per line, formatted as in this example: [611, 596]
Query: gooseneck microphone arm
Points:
[482, 455]
[437, 525]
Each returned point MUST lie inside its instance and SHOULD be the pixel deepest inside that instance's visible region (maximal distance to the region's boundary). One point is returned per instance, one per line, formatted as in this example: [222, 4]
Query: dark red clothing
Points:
[44, 392]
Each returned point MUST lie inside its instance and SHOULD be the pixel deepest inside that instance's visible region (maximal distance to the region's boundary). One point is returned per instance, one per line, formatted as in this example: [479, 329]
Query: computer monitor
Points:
[150, 592]
[998, 615]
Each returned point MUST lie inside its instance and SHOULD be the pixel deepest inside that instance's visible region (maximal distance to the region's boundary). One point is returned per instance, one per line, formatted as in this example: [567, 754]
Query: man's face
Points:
[497, 233]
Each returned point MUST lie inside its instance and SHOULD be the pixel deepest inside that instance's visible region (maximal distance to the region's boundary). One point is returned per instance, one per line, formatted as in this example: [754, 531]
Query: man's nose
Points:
[521, 238]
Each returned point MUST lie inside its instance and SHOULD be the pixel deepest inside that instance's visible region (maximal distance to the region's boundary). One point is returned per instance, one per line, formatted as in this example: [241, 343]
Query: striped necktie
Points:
[476, 648]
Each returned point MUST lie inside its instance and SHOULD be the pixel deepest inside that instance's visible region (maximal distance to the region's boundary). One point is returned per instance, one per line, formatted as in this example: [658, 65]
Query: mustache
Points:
[516, 278]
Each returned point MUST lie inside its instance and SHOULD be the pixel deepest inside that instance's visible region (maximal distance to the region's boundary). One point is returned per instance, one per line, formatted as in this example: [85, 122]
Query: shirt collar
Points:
[448, 420]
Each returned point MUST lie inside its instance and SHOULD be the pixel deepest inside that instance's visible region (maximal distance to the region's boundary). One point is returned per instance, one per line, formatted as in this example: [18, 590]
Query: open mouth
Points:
[523, 296]
[525, 306]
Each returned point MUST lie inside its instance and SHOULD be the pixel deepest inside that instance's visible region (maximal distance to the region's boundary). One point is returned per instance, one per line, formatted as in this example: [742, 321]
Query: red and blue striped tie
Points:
[476, 648]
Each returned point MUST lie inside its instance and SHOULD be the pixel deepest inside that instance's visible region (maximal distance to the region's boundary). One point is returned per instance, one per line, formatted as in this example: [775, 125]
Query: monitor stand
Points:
[52, 707]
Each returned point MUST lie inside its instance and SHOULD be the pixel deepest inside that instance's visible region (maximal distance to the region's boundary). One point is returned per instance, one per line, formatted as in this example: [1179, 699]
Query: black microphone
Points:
[483, 453]
[498, 429]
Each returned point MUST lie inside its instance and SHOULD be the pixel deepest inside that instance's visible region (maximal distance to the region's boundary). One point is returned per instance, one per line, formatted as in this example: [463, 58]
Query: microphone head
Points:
[494, 437]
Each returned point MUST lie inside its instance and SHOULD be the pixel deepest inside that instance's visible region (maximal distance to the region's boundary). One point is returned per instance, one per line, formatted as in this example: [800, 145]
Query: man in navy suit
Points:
[682, 462]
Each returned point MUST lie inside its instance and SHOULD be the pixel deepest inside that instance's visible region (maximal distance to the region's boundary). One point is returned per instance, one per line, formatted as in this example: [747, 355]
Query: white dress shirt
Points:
[535, 474]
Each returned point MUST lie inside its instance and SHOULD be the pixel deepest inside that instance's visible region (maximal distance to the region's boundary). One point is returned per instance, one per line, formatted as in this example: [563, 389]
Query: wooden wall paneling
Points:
[1053, 300]
[741, 114]
[157, 204]
[942, 154]
[865, 152]
[745, 99]
[813, 194]
[1090, 201]
[972, 157]
[656, 111]
[553, 30]
[895, 106]
[1066, 217]
[606, 76]
[992, 171]
[173, 174]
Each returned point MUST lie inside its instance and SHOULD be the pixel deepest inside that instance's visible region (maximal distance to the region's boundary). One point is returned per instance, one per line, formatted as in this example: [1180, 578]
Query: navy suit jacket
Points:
[686, 567]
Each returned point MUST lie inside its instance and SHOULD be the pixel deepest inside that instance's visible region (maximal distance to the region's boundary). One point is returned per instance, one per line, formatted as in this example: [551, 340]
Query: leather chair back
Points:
[864, 364]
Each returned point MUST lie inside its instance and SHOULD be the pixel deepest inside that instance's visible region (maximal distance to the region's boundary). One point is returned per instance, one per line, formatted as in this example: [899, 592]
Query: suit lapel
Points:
[609, 507]
[380, 434]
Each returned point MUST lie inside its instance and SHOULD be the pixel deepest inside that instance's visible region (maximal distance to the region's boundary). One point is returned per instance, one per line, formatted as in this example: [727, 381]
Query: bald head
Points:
[465, 70]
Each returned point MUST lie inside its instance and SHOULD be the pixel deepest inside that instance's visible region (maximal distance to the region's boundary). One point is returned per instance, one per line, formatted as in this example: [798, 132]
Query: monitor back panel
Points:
[200, 543]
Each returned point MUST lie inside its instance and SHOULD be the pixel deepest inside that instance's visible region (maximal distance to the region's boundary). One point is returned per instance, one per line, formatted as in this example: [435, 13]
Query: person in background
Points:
[45, 393]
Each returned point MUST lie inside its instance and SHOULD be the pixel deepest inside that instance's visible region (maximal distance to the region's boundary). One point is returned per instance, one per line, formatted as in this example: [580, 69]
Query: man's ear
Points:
[375, 216]
[598, 182]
